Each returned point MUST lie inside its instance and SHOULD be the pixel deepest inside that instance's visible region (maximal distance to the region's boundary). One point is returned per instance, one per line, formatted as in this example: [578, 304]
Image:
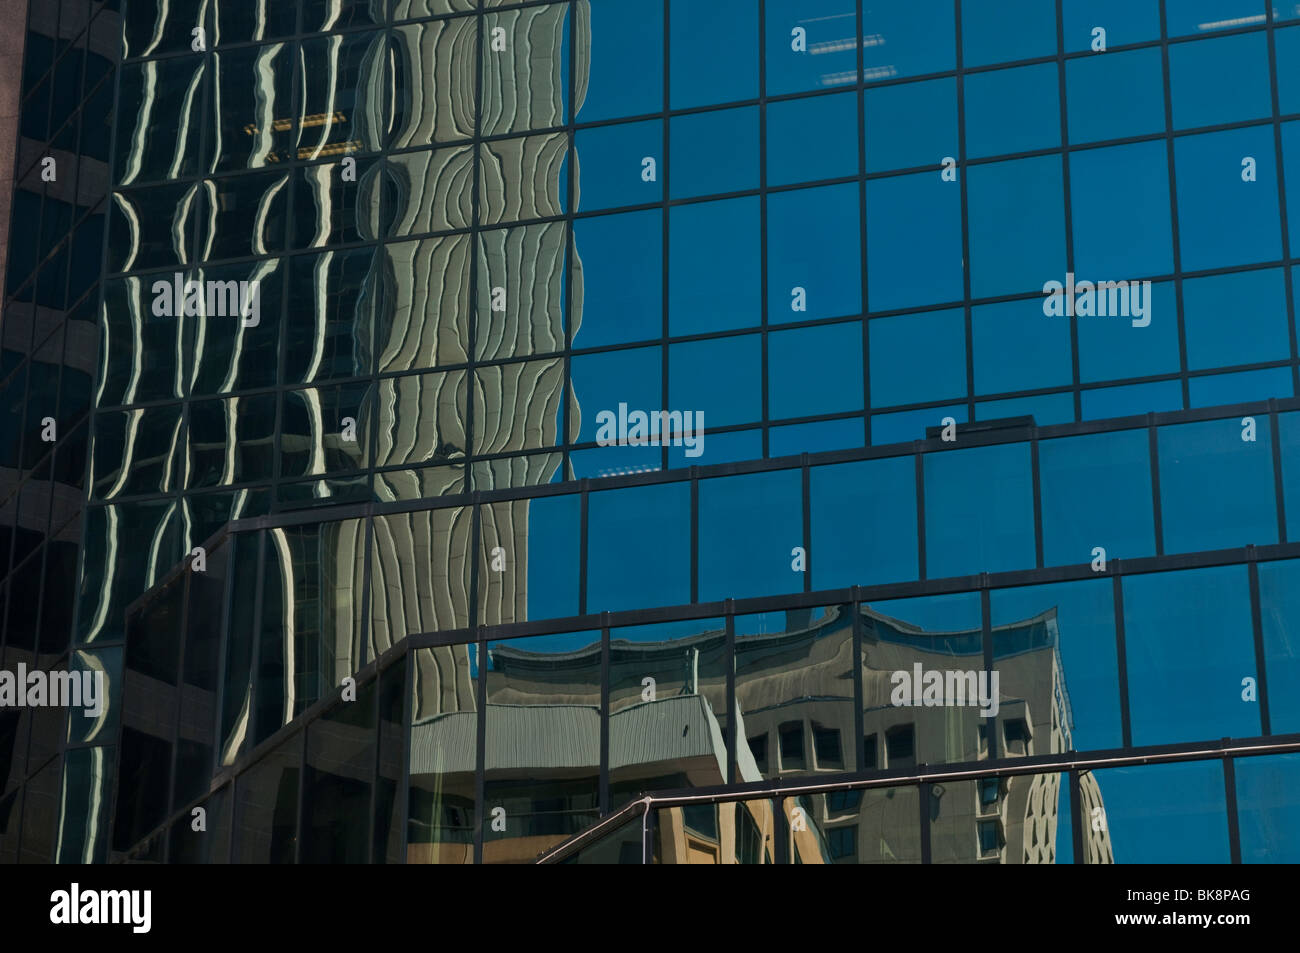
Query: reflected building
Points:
[364, 579]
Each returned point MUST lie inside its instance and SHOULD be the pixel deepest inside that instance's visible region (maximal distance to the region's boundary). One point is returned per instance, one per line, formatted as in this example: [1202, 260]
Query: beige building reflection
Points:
[795, 718]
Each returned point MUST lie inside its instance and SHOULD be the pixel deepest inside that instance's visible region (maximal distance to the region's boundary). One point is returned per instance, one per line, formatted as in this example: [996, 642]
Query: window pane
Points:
[1056, 644]
[1279, 605]
[627, 566]
[543, 743]
[1186, 823]
[444, 730]
[1075, 519]
[1197, 461]
[863, 523]
[1189, 645]
[810, 45]
[827, 270]
[626, 72]
[741, 556]
[979, 511]
[668, 708]
[1267, 807]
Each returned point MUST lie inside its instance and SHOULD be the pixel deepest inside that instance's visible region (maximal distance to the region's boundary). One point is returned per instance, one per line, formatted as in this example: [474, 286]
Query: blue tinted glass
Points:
[1076, 518]
[1115, 95]
[1139, 243]
[863, 523]
[914, 254]
[811, 44]
[1017, 225]
[953, 612]
[1288, 70]
[814, 371]
[979, 511]
[1156, 397]
[1240, 388]
[1291, 167]
[1196, 462]
[1223, 220]
[1268, 802]
[1046, 409]
[1125, 21]
[1289, 439]
[814, 279]
[621, 275]
[1080, 624]
[1112, 347]
[1186, 824]
[996, 31]
[553, 527]
[1279, 609]
[739, 555]
[1188, 642]
[694, 381]
[719, 448]
[626, 65]
[911, 124]
[1219, 80]
[714, 255]
[907, 39]
[626, 565]
[713, 52]
[812, 138]
[815, 437]
[714, 152]
[1218, 309]
[613, 164]
[1006, 111]
[918, 357]
[909, 425]
[603, 381]
[1203, 16]
[1017, 347]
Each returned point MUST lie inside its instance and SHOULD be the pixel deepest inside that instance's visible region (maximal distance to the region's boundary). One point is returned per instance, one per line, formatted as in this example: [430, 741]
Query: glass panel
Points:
[392, 752]
[668, 708]
[444, 729]
[713, 53]
[543, 743]
[994, 31]
[1005, 108]
[713, 152]
[1279, 607]
[926, 694]
[1054, 650]
[834, 351]
[1075, 519]
[419, 574]
[1223, 219]
[619, 267]
[266, 807]
[340, 772]
[979, 510]
[424, 321]
[713, 246]
[252, 107]
[810, 45]
[808, 280]
[311, 622]
[1155, 814]
[1190, 651]
[343, 97]
[1017, 228]
[794, 696]
[525, 69]
[1215, 308]
[625, 44]
[907, 39]
[1221, 80]
[521, 293]
[209, 846]
[627, 566]
[740, 556]
[863, 523]
[1267, 808]
[1196, 462]
[442, 49]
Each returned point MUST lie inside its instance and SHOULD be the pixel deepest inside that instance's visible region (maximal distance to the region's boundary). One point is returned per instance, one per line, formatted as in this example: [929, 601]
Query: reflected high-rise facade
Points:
[367, 573]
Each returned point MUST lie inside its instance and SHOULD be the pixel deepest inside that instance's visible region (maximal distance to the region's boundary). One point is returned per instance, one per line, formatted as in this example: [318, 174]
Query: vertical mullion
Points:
[1153, 453]
[732, 735]
[664, 166]
[1261, 659]
[1288, 278]
[1076, 392]
[862, 230]
[965, 216]
[1279, 492]
[1230, 807]
[1121, 654]
[604, 714]
[762, 223]
[859, 719]
[1173, 210]
[404, 782]
[480, 753]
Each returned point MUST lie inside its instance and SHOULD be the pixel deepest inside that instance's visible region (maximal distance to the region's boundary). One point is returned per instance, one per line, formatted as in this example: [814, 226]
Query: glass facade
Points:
[498, 412]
